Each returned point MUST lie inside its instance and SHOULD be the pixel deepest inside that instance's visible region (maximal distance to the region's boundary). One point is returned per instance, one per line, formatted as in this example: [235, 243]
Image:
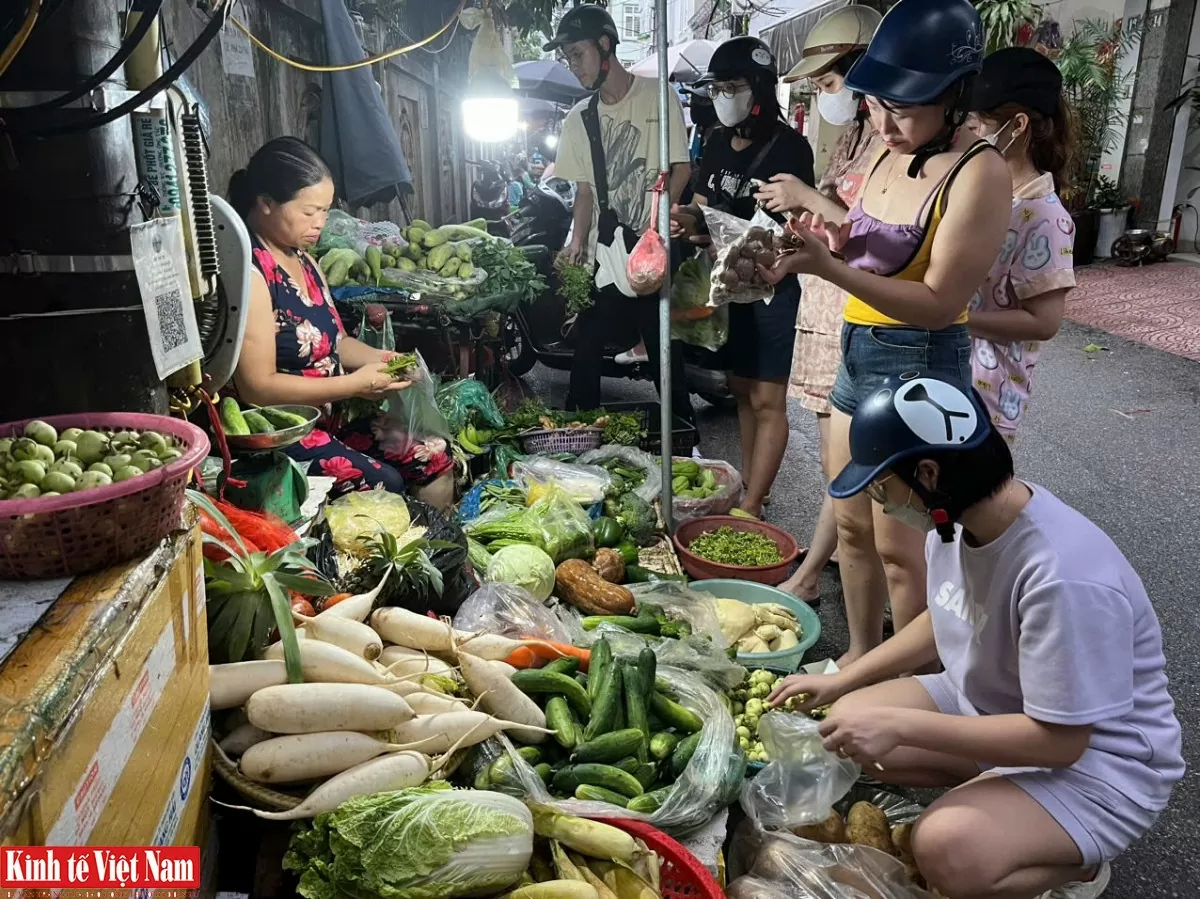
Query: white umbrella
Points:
[685, 62]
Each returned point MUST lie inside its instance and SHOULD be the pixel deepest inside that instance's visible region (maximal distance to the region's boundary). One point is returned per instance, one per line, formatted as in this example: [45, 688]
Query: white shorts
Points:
[1102, 821]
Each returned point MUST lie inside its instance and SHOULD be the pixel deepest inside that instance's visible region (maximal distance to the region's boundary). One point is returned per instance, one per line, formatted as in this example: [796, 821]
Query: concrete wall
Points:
[1184, 165]
[420, 90]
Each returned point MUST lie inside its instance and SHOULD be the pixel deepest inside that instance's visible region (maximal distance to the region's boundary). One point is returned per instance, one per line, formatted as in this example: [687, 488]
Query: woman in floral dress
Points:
[833, 46]
[295, 348]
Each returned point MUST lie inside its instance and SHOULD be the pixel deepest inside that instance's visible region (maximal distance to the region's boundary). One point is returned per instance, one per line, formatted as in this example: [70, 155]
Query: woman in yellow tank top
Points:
[929, 223]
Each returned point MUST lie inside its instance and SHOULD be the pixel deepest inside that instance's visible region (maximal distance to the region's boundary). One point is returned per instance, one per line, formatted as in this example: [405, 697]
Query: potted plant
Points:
[1113, 207]
[1004, 21]
[1095, 88]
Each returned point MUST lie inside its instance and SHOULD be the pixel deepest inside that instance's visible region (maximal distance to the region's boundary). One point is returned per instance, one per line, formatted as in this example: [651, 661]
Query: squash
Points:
[609, 565]
[579, 584]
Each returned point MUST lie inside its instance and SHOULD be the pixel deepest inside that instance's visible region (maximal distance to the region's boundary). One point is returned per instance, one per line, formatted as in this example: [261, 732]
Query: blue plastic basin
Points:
[753, 594]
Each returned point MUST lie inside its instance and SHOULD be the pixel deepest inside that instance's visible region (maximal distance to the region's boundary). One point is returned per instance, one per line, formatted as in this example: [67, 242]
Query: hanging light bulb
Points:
[490, 109]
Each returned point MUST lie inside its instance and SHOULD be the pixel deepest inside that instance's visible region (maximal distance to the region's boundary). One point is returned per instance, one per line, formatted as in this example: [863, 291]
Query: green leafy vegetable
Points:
[427, 842]
[508, 269]
[726, 546]
[574, 285]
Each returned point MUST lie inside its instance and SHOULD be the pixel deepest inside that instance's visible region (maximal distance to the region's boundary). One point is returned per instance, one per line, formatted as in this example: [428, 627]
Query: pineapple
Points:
[414, 578]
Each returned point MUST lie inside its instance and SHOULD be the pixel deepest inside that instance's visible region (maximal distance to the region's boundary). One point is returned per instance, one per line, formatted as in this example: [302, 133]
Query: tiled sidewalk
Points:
[1158, 305]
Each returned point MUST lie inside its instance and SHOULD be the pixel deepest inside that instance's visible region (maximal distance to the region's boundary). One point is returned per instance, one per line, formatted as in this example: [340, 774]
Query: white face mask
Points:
[732, 111]
[907, 515]
[994, 138]
[837, 109]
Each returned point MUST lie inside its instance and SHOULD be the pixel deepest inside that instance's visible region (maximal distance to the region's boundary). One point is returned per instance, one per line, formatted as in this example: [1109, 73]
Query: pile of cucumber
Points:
[619, 736]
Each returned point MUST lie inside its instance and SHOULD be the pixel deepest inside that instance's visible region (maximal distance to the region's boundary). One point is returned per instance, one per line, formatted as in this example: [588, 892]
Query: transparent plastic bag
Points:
[510, 611]
[362, 513]
[488, 56]
[710, 781]
[802, 781]
[460, 401]
[375, 328]
[586, 484]
[729, 480]
[679, 601]
[780, 865]
[433, 285]
[741, 247]
[555, 522]
[692, 320]
[650, 489]
[410, 424]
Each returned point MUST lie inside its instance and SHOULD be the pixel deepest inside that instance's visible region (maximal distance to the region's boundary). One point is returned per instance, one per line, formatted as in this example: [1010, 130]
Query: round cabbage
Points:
[523, 566]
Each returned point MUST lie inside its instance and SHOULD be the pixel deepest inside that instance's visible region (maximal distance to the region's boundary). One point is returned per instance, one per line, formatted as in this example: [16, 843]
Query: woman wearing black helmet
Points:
[928, 225]
[1052, 716]
[754, 143]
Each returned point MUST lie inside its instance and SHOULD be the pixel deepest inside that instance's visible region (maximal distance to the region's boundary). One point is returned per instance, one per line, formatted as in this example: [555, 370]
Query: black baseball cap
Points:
[583, 23]
[1018, 75]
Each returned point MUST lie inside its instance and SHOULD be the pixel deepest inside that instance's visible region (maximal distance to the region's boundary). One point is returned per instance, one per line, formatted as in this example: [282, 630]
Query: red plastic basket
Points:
[77, 533]
[683, 877]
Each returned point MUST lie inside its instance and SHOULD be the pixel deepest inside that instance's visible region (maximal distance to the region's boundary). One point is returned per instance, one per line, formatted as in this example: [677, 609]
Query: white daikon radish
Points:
[466, 725]
[352, 636]
[311, 708]
[299, 757]
[229, 686]
[395, 771]
[405, 628]
[242, 738]
[499, 696]
[402, 660]
[357, 608]
[424, 703]
[492, 647]
[508, 669]
[329, 664]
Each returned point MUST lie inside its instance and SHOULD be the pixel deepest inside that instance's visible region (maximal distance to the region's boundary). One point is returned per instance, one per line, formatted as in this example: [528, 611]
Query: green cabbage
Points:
[428, 842]
[523, 566]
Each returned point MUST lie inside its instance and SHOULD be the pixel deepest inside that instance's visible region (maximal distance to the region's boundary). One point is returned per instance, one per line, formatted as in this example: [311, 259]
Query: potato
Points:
[831, 830]
[866, 825]
[902, 841]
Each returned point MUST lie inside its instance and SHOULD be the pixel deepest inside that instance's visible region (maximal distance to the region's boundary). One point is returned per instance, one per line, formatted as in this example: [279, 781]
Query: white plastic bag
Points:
[729, 480]
[510, 611]
[741, 247]
[586, 484]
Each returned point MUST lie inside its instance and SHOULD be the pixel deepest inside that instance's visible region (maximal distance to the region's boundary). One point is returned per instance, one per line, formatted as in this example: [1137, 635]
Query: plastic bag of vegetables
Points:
[708, 782]
[460, 400]
[555, 523]
[727, 484]
[802, 781]
[692, 320]
[586, 484]
[651, 487]
[429, 842]
[411, 424]
[510, 611]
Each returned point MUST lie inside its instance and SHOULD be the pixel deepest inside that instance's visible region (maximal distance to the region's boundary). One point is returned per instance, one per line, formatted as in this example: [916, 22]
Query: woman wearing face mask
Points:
[928, 225]
[832, 47]
[755, 143]
[1052, 718]
[1018, 107]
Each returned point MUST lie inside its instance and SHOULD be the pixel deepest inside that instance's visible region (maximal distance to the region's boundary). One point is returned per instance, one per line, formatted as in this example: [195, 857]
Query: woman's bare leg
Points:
[902, 551]
[989, 839]
[805, 584]
[747, 425]
[768, 406]
[863, 582]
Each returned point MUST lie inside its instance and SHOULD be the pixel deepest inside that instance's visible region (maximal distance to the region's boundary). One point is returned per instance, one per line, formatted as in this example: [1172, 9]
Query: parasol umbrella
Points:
[685, 62]
[545, 79]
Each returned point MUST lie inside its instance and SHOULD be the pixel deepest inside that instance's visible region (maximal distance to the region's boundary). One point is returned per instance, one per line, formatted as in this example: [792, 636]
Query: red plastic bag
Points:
[260, 531]
[647, 266]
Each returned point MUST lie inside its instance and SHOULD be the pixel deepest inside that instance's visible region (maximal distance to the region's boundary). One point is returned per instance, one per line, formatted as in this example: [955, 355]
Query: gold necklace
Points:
[894, 177]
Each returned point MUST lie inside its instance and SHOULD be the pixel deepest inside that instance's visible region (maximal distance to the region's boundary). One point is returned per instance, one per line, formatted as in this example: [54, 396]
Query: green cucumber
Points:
[608, 747]
[501, 773]
[565, 781]
[635, 706]
[646, 773]
[673, 713]
[649, 803]
[608, 704]
[641, 624]
[609, 777]
[561, 720]
[582, 680]
[544, 771]
[599, 794]
[662, 744]
[598, 664]
[532, 681]
[566, 665]
[683, 754]
[636, 574]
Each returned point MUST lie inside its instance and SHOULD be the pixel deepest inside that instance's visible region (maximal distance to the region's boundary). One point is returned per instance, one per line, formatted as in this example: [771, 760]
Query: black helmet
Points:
[741, 57]
[911, 415]
[921, 49]
[583, 23]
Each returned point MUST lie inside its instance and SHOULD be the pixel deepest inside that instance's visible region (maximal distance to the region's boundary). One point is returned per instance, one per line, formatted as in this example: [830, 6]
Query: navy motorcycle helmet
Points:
[912, 415]
[587, 23]
[741, 57]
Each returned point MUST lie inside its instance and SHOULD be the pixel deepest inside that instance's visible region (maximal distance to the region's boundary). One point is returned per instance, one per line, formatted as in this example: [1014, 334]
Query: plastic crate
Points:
[683, 435]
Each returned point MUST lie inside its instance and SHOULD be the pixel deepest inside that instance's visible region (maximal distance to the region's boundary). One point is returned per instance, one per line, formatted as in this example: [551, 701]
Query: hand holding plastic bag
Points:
[803, 779]
[692, 320]
[411, 425]
[741, 247]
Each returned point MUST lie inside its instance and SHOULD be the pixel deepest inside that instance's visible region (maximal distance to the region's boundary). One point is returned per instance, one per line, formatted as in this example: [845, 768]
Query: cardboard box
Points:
[104, 724]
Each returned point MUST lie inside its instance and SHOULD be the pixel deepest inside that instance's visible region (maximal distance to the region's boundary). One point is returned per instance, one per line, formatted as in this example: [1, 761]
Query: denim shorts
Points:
[873, 353]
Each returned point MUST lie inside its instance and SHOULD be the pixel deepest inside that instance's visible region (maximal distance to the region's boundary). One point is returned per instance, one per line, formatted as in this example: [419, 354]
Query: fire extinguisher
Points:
[1176, 223]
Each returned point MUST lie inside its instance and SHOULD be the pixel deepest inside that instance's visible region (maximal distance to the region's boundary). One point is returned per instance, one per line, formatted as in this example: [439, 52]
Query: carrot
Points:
[332, 601]
[535, 655]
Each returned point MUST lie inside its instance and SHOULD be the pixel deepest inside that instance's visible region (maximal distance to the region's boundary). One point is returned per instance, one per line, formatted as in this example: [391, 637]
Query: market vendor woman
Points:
[296, 349]
[1052, 719]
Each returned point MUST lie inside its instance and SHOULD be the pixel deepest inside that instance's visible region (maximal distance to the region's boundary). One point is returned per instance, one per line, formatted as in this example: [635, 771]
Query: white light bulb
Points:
[490, 120]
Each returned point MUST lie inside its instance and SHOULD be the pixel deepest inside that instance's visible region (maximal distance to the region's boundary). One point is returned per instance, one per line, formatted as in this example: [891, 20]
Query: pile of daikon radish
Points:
[368, 717]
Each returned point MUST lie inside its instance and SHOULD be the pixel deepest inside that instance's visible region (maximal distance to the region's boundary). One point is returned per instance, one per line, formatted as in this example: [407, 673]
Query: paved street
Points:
[1115, 432]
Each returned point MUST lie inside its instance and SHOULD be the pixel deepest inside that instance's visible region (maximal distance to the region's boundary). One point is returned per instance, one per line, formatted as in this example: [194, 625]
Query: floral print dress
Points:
[308, 330]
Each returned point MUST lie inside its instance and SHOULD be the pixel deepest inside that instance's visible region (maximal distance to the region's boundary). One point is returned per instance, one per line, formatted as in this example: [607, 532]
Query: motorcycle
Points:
[535, 333]
[489, 197]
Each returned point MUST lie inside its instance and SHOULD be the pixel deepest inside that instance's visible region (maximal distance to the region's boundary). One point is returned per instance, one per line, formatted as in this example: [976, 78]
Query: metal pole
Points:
[664, 230]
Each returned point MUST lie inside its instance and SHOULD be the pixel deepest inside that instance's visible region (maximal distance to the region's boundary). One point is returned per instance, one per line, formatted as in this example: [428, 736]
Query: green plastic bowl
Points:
[749, 592]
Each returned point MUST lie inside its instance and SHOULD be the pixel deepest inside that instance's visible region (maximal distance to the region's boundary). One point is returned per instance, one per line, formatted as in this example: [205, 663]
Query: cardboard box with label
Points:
[104, 724]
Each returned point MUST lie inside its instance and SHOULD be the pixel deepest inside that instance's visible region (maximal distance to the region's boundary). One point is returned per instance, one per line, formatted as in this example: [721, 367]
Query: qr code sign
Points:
[172, 327]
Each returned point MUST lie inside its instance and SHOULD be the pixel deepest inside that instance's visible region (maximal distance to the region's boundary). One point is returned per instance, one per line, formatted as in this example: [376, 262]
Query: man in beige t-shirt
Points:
[628, 115]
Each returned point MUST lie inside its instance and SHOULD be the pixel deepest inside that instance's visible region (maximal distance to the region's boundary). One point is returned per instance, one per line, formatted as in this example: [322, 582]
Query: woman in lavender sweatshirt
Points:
[1051, 719]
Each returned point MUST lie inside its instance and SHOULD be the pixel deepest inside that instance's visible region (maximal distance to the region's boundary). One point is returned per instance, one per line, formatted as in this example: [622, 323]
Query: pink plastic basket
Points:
[77, 533]
[562, 440]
